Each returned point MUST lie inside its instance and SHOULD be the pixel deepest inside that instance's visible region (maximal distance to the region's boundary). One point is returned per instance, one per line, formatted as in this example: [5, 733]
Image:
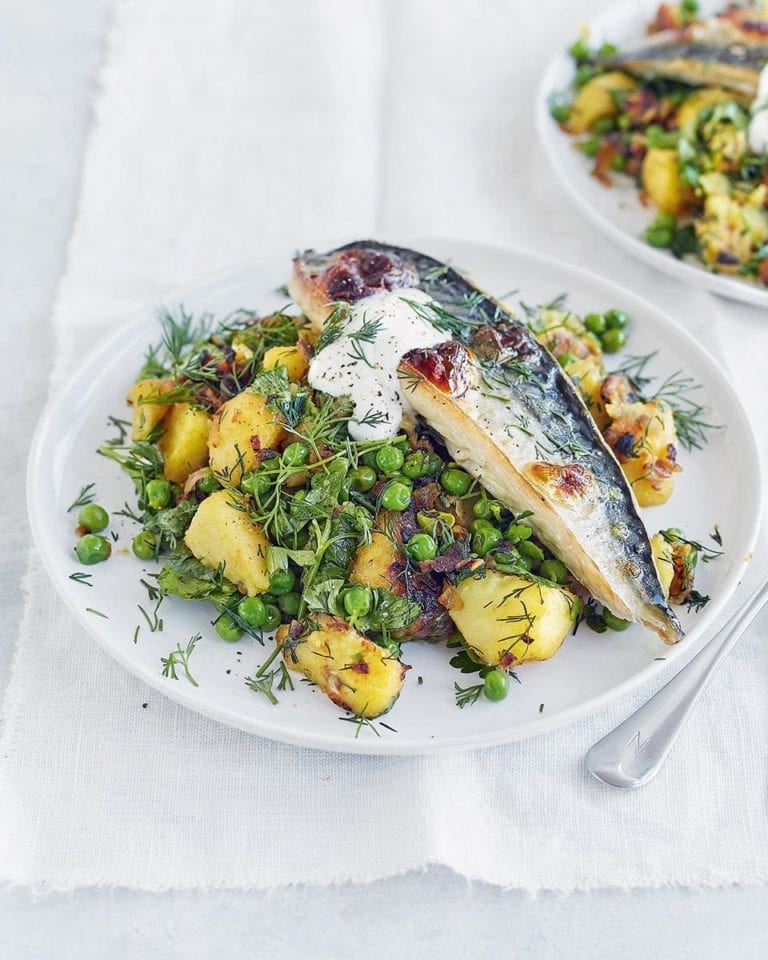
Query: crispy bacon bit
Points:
[358, 273]
[568, 480]
[359, 666]
[454, 558]
[602, 168]
[616, 388]
[507, 659]
[447, 366]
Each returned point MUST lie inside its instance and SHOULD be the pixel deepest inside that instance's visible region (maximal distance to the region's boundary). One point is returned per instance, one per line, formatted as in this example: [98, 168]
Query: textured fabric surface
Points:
[246, 129]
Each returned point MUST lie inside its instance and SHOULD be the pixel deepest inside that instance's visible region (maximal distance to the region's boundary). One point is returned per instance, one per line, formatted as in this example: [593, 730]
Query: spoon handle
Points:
[632, 754]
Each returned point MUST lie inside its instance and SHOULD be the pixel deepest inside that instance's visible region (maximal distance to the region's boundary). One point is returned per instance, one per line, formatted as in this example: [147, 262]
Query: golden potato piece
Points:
[146, 416]
[221, 533]
[184, 443]
[356, 673]
[688, 112]
[507, 619]
[372, 566]
[291, 358]
[661, 180]
[662, 557]
[243, 424]
[644, 440]
[594, 100]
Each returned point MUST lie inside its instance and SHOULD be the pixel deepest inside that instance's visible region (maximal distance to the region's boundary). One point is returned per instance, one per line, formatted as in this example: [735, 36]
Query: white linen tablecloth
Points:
[246, 129]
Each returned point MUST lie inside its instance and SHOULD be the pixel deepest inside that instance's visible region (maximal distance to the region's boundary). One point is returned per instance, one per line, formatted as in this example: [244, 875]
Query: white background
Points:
[49, 57]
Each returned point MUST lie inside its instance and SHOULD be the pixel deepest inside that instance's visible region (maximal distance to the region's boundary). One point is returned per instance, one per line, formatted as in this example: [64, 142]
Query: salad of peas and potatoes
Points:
[257, 505]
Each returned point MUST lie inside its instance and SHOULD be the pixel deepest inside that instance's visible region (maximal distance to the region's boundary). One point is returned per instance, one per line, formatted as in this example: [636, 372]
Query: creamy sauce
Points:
[362, 362]
[758, 125]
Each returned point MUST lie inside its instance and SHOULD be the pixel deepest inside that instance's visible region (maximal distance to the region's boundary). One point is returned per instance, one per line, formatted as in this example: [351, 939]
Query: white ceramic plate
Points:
[616, 210]
[719, 485]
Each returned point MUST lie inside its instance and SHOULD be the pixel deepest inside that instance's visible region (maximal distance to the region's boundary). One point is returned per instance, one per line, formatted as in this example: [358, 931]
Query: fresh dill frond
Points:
[80, 577]
[180, 657]
[465, 696]
[87, 495]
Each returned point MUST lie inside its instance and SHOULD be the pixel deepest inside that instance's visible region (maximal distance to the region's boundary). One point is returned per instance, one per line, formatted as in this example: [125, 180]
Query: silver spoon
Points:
[632, 754]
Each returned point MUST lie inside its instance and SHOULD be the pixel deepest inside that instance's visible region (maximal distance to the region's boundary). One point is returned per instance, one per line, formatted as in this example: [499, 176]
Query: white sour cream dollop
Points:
[758, 125]
[361, 362]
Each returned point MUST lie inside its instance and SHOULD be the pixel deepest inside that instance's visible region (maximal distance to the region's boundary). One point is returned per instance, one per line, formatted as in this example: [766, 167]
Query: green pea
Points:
[208, 485]
[282, 581]
[613, 622]
[144, 545]
[613, 340]
[158, 494]
[567, 358]
[553, 570]
[496, 685]
[530, 549]
[253, 611]
[619, 162]
[396, 496]
[389, 460]
[595, 323]
[421, 546]
[616, 319]
[227, 629]
[580, 50]
[485, 539]
[659, 237]
[455, 481]
[507, 560]
[274, 618]
[296, 454]
[585, 73]
[623, 122]
[289, 603]
[369, 458]
[357, 601]
[607, 50]
[590, 146]
[525, 563]
[560, 112]
[603, 125]
[480, 524]
[257, 484]
[93, 517]
[666, 221]
[518, 531]
[92, 548]
[416, 465]
[362, 479]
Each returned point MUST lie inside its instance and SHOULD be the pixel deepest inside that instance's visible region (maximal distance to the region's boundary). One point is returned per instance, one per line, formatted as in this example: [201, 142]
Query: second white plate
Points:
[617, 210]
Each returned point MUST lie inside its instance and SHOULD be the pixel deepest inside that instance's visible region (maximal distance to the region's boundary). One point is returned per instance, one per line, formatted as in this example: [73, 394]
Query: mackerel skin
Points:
[728, 51]
[511, 417]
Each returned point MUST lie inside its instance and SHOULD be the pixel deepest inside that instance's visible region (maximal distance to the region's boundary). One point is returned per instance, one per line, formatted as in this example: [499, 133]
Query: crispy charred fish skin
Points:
[509, 414]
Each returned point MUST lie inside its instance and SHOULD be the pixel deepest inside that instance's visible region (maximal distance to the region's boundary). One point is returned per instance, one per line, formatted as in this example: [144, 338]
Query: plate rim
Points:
[547, 133]
[501, 735]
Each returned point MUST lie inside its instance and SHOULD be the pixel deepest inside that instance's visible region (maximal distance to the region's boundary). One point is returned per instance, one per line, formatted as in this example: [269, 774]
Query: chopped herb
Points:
[80, 577]
[180, 658]
[87, 495]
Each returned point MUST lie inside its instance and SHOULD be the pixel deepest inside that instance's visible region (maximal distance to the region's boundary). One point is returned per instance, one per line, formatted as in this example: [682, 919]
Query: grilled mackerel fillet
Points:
[726, 51]
[511, 418]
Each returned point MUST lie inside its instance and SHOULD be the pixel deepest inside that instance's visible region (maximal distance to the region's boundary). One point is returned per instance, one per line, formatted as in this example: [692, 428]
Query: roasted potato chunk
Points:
[243, 425]
[644, 440]
[661, 180]
[146, 416]
[291, 358]
[508, 619]
[663, 559]
[594, 100]
[184, 443]
[356, 673]
[373, 563]
[220, 533]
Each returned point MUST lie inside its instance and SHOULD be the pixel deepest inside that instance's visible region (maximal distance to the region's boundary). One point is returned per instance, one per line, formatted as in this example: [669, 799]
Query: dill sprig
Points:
[80, 577]
[180, 657]
[465, 696]
[87, 495]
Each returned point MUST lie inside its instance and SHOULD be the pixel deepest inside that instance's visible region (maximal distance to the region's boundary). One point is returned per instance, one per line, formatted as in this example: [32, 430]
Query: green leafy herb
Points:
[80, 577]
[86, 496]
[180, 657]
